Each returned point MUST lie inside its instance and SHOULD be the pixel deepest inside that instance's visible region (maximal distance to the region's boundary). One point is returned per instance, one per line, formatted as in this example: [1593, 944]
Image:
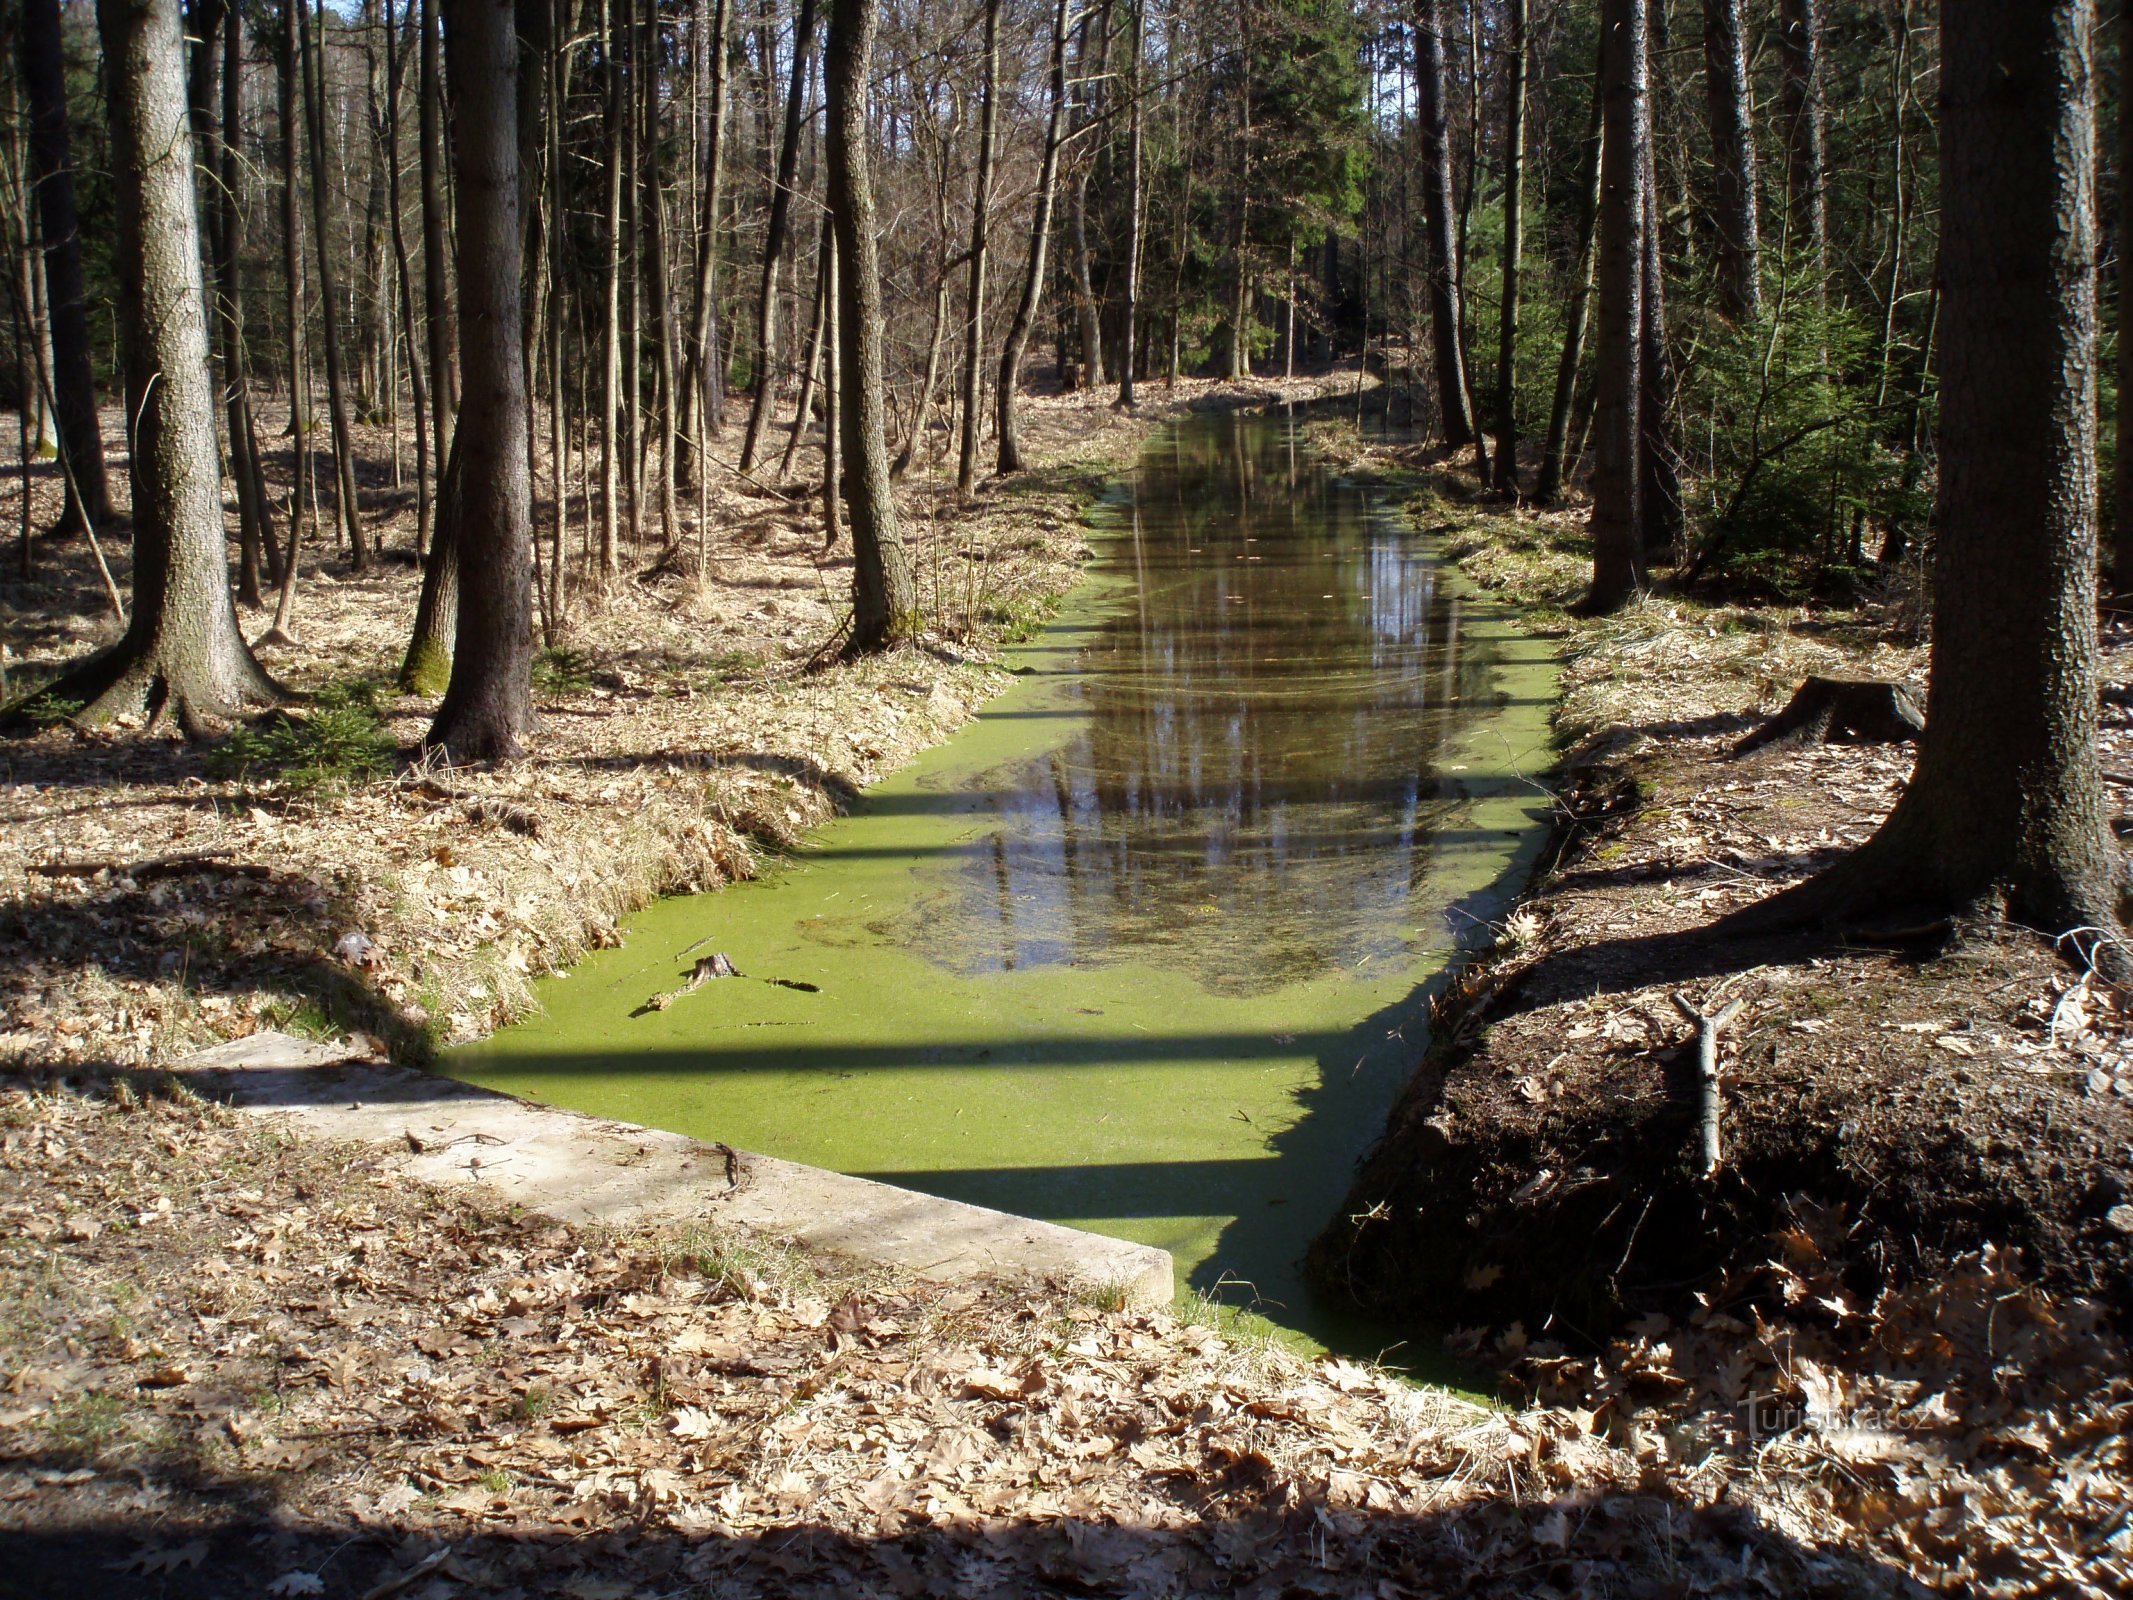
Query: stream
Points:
[1147, 948]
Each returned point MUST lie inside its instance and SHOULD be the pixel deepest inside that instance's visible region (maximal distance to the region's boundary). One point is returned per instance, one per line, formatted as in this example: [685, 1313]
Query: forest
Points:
[1167, 797]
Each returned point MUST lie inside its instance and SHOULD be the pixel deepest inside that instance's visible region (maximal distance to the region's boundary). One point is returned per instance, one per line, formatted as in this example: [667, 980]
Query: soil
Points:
[1871, 1357]
[1944, 1091]
[236, 1365]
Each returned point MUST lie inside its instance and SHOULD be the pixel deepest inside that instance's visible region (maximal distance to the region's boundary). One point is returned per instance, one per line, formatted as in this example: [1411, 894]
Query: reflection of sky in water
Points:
[1252, 796]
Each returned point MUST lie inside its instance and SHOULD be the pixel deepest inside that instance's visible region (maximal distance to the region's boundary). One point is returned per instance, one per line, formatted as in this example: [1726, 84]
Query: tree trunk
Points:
[1725, 81]
[427, 666]
[417, 383]
[611, 326]
[81, 438]
[884, 598]
[1514, 244]
[916, 432]
[1555, 455]
[287, 75]
[654, 206]
[774, 237]
[2122, 518]
[227, 221]
[832, 407]
[182, 653]
[703, 389]
[1453, 408]
[436, 269]
[1663, 525]
[966, 472]
[811, 361]
[1800, 36]
[1240, 316]
[2005, 810]
[1617, 523]
[1040, 233]
[345, 507]
[1087, 322]
[1129, 354]
[489, 706]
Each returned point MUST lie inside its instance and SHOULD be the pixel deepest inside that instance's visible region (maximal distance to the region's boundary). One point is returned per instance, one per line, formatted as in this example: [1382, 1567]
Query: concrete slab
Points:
[587, 1169]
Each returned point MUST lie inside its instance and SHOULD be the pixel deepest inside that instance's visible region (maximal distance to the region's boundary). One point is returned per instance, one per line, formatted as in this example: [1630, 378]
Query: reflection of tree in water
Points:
[1254, 796]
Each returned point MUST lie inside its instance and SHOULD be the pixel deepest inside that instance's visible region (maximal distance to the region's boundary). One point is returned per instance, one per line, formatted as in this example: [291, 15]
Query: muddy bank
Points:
[1545, 1167]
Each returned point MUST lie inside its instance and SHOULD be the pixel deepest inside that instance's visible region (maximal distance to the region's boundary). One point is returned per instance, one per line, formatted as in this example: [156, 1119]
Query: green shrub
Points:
[337, 743]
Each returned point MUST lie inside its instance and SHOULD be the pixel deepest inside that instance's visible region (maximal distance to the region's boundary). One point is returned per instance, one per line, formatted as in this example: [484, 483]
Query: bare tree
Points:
[181, 654]
[314, 72]
[1806, 161]
[775, 235]
[1725, 81]
[1576, 317]
[488, 706]
[966, 473]
[1514, 242]
[1454, 410]
[81, 439]
[884, 598]
[1018, 332]
[1617, 519]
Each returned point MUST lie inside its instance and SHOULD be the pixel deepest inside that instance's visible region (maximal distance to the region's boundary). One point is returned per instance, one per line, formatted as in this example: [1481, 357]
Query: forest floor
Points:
[234, 1364]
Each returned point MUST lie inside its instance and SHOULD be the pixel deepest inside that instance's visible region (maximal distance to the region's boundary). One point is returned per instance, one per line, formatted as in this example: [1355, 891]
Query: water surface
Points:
[1146, 949]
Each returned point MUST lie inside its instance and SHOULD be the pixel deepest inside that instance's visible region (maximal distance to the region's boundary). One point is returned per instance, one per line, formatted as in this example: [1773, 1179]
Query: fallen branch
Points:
[1709, 1099]
[170, 866]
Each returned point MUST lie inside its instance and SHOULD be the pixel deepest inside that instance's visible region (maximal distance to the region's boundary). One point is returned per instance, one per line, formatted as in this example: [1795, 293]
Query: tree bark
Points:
[654, 206]
[611, 325]
[1514, 244]
[2005, 809]
[1129, 354]
[811, 361]
[774, 238]
[703, 389]
[966, 472]
[1725, 80]
[227, 219]
[417, 383]
[1800, 39]
[908, 450]
[1454, 410]
[1555, 455]
[1617, 522]
[1040, 233]
[1089, 326]
[2122, 507]
[287, 76]
[884, 597]
[1663, 524]
[488, 707]
[182, 653]
[81, 438]
[345, 507]
[832, 403]
[436, 269]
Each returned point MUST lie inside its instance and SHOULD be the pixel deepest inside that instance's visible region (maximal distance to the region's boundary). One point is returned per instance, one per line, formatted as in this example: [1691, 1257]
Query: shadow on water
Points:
[1148, 948]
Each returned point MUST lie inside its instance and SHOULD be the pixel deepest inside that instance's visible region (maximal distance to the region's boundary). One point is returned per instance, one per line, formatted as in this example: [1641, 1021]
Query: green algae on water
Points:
[1147, 948]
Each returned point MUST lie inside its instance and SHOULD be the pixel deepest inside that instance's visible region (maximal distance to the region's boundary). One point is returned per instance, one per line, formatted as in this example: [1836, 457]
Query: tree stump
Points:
[1833, 710]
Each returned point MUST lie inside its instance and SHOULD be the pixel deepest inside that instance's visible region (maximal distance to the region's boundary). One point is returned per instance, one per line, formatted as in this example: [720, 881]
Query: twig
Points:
[1709, 1100]
[421, 1569]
